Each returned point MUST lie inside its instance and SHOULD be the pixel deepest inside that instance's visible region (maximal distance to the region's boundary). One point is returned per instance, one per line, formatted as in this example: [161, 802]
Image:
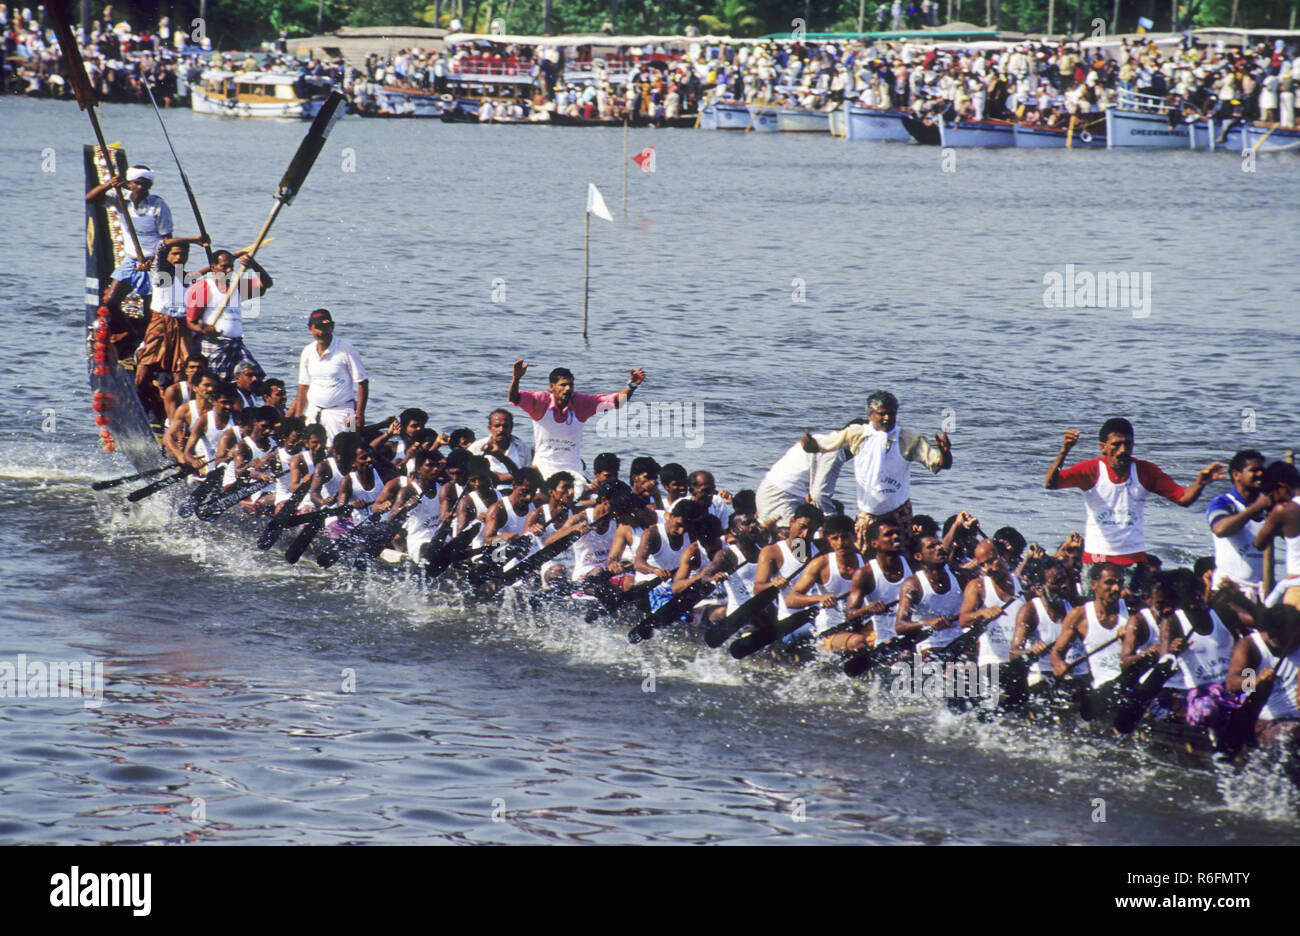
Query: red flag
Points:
[645, 159]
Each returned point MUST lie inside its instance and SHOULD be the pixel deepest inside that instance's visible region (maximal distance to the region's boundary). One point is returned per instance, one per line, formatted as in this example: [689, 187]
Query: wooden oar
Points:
[672, 609]
[292, 181]
[633, 594]
[189, 192]
[114, 482]
[303, 540]
[716, 634]
[216, 506]
[453, 551]
[284, 516]
[1134, 705]
[149, 490]
[86, 101]
[970, 638]
[203, 491]
[530, 564]
[769, 632]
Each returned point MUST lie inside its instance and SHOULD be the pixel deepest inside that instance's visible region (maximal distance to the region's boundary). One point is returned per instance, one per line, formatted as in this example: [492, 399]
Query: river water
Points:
[226, 715]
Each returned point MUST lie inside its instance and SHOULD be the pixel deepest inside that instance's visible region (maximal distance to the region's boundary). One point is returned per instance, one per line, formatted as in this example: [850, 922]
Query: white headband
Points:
[136, 172]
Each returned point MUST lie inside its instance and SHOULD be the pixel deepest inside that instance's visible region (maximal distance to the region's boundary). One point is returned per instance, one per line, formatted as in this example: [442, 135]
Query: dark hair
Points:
[1280, 472]
[1094, 574]
[745, 502]
[422, 436]
[459, 458]
[810, 512]
[560, 372]
[1035, 571]
[530, 475]
[510, 417]
[224, 391]
[606, 461]
[293, 424]
[1011, 536]
[461, 435]
[1203, 565]
[1241, 458]
[553, 481]
[478, 465]
[316, 431]
[271, 382]
[873, 528]
[928, 525]
[413, 415]
[689, 510]
[838, 524]
[1116, 425]
[702, 475]
[423, 458]
[218, 254]
[644, 465]
[672, 473]
[345, 445]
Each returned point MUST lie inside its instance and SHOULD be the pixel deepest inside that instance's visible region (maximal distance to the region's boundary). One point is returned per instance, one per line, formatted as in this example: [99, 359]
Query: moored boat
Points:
[257, 94]
[876, 123]
[409, 102]
[1084, 135]
[802, 120]
[1142, 121]
[1263, 138]
[725, 115]
[977, 133]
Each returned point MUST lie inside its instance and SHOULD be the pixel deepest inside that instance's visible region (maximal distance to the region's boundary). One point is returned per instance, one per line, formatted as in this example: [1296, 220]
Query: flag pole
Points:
[586, 265]
[625, 165]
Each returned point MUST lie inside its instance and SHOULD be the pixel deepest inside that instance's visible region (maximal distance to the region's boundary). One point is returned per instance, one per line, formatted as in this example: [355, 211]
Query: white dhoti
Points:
[334, 419]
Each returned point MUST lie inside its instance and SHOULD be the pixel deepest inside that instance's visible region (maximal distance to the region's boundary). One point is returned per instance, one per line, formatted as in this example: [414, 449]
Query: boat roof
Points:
[244, 77]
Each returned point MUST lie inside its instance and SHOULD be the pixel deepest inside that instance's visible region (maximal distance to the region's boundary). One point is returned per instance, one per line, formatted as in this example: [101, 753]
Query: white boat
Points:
[411, 102]
[764, 118]
[802, 120]
[1043, 137]
[876, 123]
[1142, 120]
[839, 123]
[256, 94]
[1209, 135]
[733, 115]
[1265, 139]
[977, 133]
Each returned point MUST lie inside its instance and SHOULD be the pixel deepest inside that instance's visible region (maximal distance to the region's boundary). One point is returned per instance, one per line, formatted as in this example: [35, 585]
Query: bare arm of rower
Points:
[624, 536]
[1128, 646]
[1073, 626]
[972, 597]
[908, 594]
[862, 584]
[387, 498]
[766, 568]
[496, 518]
[1275, 522]
[816, 572]
[196, 433]
[1245, 656]
[175, 439]
[649, 544]
[316, 491]
[1026, 621]
[1054, 472]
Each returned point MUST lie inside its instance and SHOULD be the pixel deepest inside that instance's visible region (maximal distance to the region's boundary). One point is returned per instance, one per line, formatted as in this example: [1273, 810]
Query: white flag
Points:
[596, 204]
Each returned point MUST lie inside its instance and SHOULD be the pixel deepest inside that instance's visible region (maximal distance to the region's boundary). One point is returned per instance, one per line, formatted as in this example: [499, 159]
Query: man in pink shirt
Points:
[558, 415]
[1115, 488]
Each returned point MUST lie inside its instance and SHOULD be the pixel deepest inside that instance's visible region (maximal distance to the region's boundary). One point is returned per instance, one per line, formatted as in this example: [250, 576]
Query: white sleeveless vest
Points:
[1114, 514]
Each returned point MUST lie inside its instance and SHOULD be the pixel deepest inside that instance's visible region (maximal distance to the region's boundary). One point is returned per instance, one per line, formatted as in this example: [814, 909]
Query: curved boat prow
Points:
[123, 424]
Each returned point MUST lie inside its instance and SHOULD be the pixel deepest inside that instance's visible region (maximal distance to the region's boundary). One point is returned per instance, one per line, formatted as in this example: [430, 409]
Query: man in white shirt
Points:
[500, 441]
[332, 382]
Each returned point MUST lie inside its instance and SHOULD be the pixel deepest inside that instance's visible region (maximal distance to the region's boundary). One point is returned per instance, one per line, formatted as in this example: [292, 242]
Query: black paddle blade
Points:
[769, 631]
[148, 490]
[283, 517]
[310, 147]
[302, 541]
[114, 482]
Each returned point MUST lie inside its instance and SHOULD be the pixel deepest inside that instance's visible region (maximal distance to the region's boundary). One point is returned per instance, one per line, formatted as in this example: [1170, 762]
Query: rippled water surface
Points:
[225, 719]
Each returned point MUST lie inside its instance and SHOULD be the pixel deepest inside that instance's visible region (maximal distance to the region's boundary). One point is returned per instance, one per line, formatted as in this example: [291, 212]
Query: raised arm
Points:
[517, 374]
[1053, 478]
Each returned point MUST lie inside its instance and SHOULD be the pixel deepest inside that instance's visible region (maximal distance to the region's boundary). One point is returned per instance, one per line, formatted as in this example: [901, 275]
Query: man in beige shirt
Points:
[881, 452]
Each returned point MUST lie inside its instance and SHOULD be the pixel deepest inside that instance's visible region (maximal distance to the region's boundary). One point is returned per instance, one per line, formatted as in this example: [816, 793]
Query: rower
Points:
[184, 390]
[558, 415]
[222, 339]
[1235, 517]
[551, 516]
[302, 464]
[742, 562]
[456, 469]
[779, 563]
[1196, 636]
[187, 415]
[827, 580]
[799, 477]
[704, 491]
[1282, 481]
[327, 479]
[254, 456]
[1141, 644]
[292, 436]
[599, 523]
[673, 477]
[246, 376]
[400, 432]
[1038, 623]
[1115, 488]
[644, 477]
[422, 521]
[881, 452]
[205, 435]
[1270, 658]
[875, 586]
[632, 525]
[930, 596]
[982, 600]
[1096, 623]
[605, 467]
[506, 520]
[276, 396]
[480, 497]
[505, 452]
[659, 552]
[362, 485]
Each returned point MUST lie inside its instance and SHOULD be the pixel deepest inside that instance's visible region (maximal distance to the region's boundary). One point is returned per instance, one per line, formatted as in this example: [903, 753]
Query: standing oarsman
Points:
[1235, 517]
[1282, 481]
[152, 220]
[332, 383]
[1096, 623]
[1115, 487]
[881, 452]
[827, 580]
[982, 600]
[930, 596]
[875, 586]
[558, 415]
[167, 345]
[222, 338]
[505, 453]
[799, 477]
